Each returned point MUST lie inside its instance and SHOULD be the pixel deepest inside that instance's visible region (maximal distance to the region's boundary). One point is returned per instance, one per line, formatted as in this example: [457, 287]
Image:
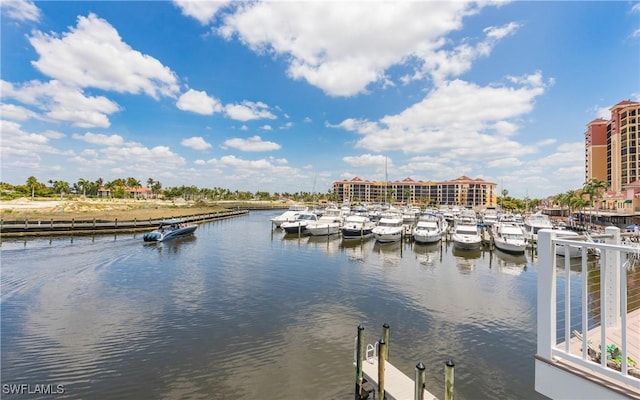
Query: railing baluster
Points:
[585, 304]
[567, 297]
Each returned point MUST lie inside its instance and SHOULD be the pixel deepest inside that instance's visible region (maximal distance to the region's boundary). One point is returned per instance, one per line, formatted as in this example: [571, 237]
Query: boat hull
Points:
[160, 235]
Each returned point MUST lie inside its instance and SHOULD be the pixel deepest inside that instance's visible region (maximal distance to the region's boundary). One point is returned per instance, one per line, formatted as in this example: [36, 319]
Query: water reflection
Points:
[428, 254]
[509, 263]
[466, 259]
[390, 253]
[330, 243]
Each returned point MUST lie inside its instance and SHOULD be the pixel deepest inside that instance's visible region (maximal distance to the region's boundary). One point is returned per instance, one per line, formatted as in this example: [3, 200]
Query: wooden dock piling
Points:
[382, 349]
[448, 380]
[385, 337]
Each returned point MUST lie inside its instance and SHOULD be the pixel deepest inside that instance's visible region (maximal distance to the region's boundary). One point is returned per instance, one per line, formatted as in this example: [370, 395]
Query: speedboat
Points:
[357, 227]
[509, 237]
[388, 229]
[290, 215]
[169, 229]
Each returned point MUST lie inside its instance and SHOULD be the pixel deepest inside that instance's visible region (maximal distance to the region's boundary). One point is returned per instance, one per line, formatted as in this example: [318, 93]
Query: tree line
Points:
[118, 189]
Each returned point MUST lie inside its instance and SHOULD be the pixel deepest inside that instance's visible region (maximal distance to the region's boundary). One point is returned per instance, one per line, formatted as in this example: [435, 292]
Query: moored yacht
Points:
[466, 234]
[509, 237]
[290, 215]
[357, 227]
[429, 228]
[388, 229]
[534, 223]
[299, 225]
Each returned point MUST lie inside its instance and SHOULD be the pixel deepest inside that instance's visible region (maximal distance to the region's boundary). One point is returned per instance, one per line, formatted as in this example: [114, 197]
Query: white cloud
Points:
[100, 139]
[456, 118]
[63, 103]
[196, 143]
[203, 11]
[367, 160]
[266, 127]
[248, 110]
[322, 47]
[16, 113]
[198, 102]
[254, 143]
[21, 10]
[93, 55]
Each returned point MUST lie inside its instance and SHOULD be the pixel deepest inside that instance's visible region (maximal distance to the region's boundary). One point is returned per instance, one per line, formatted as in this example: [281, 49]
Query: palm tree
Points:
[594, 187]
[82, 184]
[32, 182]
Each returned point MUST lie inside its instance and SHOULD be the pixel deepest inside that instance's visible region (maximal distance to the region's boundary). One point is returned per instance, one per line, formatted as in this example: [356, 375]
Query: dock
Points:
[397, 385]
[377, 378]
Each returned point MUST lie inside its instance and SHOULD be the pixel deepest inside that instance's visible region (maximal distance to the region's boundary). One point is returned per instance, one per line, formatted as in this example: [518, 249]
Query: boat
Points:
[429, 228]
[574, 251]
[299, 225]
[388, 229]
[509, 237]
[328, 224]
[357, 227]
[535, 222]
[169, 229]
[466, 234]
[290, 215]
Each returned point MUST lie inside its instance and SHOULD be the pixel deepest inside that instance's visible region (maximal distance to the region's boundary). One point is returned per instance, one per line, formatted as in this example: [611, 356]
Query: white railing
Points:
[607, 304]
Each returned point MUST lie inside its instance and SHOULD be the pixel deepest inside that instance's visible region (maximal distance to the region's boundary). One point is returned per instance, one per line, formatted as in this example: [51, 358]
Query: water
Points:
[240, 311]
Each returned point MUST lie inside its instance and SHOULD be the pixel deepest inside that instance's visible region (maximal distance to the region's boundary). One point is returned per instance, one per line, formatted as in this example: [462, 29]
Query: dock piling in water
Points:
[382, 349]
[385, 337]
[359, 357]
[448, 380]
[419, 380]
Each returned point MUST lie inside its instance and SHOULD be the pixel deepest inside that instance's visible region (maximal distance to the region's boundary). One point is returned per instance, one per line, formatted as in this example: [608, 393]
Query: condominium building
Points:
[462, 191]
[612, 148]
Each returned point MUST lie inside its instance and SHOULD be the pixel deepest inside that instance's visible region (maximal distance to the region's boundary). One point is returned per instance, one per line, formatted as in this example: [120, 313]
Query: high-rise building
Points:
[612, 148]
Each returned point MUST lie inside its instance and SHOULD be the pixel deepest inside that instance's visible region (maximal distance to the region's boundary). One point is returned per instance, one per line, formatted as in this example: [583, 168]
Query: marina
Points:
[243, 310]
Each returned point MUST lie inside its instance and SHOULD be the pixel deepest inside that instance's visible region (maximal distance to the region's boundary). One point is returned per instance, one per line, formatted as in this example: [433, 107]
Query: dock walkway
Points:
[397, 385]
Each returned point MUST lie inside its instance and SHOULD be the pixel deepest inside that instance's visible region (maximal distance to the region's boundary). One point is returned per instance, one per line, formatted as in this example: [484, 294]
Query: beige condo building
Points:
[462, 191]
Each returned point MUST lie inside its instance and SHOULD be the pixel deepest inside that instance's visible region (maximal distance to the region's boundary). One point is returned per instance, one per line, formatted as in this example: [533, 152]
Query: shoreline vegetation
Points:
[45, 209]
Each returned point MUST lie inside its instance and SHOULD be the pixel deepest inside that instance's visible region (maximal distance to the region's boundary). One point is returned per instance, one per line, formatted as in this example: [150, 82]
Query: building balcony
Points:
[588, 297]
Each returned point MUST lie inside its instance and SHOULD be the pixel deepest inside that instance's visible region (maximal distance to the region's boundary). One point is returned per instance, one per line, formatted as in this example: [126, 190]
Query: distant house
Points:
[135, 192]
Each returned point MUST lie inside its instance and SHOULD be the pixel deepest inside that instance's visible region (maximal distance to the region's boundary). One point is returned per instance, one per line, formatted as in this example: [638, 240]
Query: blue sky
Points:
[292, 96]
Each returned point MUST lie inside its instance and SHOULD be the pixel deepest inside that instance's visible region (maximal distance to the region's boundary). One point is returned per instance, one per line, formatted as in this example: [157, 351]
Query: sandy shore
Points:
[106, 209]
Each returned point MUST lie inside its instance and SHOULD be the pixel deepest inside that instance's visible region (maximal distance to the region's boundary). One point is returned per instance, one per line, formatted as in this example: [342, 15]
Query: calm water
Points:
[239, 311]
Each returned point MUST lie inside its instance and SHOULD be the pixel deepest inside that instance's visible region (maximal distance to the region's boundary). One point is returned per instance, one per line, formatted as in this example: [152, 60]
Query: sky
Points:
[291, 96]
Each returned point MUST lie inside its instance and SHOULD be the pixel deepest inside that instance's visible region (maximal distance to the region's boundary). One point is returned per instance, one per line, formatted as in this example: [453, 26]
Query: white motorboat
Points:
[290, 215]
[357, 227]
[574, 252]
[534, 223]
[169, 229]
[466, 235]
[509, 237]
[299, 225]
[388, 229]
[429, 228]
[328, 224]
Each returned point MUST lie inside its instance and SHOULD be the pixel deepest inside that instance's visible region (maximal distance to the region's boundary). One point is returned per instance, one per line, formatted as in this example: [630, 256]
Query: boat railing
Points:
[601, 304]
